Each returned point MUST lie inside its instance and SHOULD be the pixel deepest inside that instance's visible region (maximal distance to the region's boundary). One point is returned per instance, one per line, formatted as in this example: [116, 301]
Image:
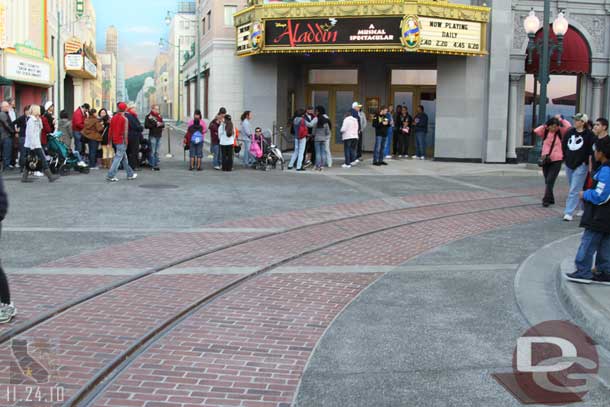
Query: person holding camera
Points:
[381, 123]
[552, 134]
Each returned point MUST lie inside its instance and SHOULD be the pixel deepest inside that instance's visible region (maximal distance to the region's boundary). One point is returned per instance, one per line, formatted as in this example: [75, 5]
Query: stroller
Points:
[62, 158]
[271, 155]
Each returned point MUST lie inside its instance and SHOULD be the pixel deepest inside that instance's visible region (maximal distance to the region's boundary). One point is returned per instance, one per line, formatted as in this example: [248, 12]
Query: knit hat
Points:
[48, 105]
[122, 106]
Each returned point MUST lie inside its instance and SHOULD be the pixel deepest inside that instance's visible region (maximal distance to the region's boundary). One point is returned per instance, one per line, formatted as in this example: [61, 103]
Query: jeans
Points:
[550, 172]
[320, 147]
[329, 157]
[133, 151]
[120, 157]
[247, 158]
[93, 153]
[388, 142]
[597, 243]
[379, 149]
[349, 149]
[155, 145]
[299, 153]
[420, 143]
[7, 151]
[227, 157]
[402, 144]
[576, 179]
[215, 150]
[78, 141]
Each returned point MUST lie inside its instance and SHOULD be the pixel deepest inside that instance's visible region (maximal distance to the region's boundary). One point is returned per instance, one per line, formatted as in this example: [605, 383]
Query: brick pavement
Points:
[247, 349]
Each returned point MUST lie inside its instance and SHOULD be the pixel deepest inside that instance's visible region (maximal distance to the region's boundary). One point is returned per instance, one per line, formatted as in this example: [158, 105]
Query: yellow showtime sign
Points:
[439, 34]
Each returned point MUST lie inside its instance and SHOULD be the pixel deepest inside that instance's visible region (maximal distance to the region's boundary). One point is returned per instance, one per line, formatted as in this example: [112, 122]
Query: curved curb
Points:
[539, 293]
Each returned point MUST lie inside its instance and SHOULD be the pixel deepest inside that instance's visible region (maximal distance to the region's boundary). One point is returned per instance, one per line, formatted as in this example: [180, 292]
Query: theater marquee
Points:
[334, 26]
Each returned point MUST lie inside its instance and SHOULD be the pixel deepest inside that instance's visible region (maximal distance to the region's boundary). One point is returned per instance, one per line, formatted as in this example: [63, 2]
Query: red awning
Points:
[576, 57]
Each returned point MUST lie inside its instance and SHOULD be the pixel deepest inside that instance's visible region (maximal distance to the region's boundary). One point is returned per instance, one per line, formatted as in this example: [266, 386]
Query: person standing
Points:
[49, 123]
[7, 308]
[349, 133]
[226, 139]
[135, 136]
[310, 149]
[321, 134]
[214, 138]
[7, 135]
[78, 124]
[389, 138]
[300, 140]
[118, 134]
[20, 125]
[405, 123]
[246, 133]
[552, 154]
[596, 222]
[154, 123]
[577, 146]
[93, 132]
[421, 133]
[600, 129]
[107, 150]
[195, 135]
[12, 114]
[381, 123]
[356, 113]
[33, 144]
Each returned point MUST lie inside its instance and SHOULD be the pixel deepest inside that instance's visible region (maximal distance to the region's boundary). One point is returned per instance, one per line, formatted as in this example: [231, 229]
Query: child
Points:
[596, 221]
[196, 130]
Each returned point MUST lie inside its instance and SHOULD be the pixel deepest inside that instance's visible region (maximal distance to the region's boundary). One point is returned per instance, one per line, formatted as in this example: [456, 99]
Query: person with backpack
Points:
[595, 241]
[226, 138]
[301, 132]
[196, 130]
[552, 134]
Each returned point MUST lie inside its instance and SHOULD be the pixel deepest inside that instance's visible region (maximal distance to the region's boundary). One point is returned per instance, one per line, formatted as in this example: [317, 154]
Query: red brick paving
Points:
[249, 348]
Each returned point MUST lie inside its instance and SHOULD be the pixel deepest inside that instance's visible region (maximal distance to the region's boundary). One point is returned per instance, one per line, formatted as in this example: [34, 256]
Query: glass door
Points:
[412, 97]
[337, 100]
[343, 104]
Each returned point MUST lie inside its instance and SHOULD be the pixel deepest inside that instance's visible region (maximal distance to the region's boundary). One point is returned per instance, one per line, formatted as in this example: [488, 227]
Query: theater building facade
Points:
[464, 63]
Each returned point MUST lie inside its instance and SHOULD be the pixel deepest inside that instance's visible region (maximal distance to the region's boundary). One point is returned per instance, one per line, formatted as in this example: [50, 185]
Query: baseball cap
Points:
[581, 116]
[122, 106]
[355, 105]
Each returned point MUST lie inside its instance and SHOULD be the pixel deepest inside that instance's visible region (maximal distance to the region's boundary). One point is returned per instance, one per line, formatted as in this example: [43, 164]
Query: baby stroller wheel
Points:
[83, 170]
[63, 170]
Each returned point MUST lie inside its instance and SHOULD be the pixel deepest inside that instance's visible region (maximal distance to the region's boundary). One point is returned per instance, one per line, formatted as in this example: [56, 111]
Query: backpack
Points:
[302, 132]
[197, 138]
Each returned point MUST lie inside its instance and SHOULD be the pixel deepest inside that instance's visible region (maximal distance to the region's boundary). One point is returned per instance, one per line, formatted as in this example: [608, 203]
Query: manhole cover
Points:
[159, 186]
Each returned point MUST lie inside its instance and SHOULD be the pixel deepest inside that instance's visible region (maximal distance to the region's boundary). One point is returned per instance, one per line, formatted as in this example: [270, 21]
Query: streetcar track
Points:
[96, 386]
[35, 321]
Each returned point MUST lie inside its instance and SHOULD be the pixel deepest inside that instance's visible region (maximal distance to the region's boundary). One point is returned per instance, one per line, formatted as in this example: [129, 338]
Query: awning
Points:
[567, 100]
[529, 98]
[5, 81]
[576, 57]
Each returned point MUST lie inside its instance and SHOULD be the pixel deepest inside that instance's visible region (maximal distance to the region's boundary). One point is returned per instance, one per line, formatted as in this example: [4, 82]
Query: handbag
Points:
[546, 159]
[237, 148]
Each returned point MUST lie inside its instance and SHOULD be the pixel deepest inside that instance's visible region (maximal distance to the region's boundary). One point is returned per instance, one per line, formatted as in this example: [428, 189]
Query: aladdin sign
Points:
[332, 32]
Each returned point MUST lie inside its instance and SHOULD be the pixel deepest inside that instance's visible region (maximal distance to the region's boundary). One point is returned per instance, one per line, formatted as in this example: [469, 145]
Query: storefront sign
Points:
[332, 32]
[73, 62]
[90, 67]
[438, 34]
[23, 69]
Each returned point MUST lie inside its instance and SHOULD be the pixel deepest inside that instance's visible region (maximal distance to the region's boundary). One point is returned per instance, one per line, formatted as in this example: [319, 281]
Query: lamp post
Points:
[168, 21]
[545, 49]
[162, 43]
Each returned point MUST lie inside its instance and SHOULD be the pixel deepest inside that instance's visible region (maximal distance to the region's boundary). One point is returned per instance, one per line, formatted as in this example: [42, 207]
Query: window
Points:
[413, 77]
[333, 76]
[209, 20]
[203, 26]
[229, 12]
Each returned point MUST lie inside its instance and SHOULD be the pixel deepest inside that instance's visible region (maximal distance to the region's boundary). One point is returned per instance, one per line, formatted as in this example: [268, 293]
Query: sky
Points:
[140, 24]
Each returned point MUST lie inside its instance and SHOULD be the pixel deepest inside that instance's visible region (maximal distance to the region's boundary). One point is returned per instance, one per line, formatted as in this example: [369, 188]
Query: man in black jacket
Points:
[135, 137]
[7, 309]
[154, 123]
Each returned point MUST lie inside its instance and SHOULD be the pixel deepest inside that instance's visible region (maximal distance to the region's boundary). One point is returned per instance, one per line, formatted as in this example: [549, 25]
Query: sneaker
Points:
[112, 179]
[134, 176]
[38, 174]
[307, 164]
[578, 277]
[7, 313]
[568, 218]
[217, 168]
[580, 213]
[81, 164]
[156, 169]
[356, 161]
[388, 157]
[422, 158]
[346, 166]
[383, 163]
[601, 278]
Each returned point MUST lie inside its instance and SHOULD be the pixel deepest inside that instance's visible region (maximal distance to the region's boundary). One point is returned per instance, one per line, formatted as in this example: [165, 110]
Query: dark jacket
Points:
[3, 201]
[6, 126]
[381, 130]
[150, 122]
[21, 122]
[135, 128]
[597, 202]
[421, 122]
[214, 139]
[577, 147]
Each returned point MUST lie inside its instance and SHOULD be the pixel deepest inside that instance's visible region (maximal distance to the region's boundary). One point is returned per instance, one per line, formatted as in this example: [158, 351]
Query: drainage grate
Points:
[159, 186]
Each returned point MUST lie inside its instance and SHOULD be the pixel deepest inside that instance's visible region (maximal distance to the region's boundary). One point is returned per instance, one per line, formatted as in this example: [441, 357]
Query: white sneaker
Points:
[113, 179]
[580, 213]
[388, 157]
[346, 166]
[355, 162]
[81, 164]
[422, 158]
[7, 313]
[568, 218]
[38, 174]
[134, 176]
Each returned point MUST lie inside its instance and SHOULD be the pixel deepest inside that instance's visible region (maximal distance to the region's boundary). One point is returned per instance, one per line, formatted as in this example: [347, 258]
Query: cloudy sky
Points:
[140, 24]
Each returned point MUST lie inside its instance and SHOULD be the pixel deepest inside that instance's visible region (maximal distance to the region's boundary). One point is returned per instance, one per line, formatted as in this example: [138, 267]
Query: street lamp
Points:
[545, 48]
[162, 43]
[168, 21]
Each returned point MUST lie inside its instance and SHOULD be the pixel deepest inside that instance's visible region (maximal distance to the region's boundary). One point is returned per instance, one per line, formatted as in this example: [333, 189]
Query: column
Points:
[596, 103]
[513, 115]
